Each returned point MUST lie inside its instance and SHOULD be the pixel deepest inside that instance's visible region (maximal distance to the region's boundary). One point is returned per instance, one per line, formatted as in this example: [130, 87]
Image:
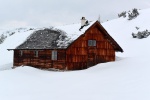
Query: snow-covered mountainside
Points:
[125, 79]
[13, 37]
[121, 30]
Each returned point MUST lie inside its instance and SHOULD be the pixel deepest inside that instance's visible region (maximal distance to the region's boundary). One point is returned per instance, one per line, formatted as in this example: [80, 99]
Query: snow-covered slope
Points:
[12, 41]
[121, 30]
[126, 79]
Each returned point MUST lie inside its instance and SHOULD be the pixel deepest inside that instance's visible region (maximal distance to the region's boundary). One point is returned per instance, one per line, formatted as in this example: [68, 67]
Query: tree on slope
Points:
[133, 14]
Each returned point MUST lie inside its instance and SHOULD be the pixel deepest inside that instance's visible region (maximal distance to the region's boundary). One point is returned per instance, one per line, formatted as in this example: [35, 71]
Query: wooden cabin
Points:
[67, 47]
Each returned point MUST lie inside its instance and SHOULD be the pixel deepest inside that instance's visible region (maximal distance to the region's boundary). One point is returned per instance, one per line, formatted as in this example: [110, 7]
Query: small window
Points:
[54, 55]
[91, 42]
[21, 53]
[36, 53]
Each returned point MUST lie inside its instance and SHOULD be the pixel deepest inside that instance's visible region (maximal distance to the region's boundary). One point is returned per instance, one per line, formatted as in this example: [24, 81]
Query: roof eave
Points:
[39, 49]
[118, 48]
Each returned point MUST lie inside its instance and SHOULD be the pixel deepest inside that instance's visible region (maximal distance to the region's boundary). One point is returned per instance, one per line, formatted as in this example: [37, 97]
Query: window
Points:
[36, 53]
[91, 42]
[54, 55]
[21, 52]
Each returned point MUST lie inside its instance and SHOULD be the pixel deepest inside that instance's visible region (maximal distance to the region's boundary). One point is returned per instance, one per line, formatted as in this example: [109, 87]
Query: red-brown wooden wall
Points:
[43, 60]
[80, 55]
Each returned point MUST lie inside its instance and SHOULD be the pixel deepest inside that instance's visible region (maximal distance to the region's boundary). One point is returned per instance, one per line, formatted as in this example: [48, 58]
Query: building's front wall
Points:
[43, 60]
[80, 56]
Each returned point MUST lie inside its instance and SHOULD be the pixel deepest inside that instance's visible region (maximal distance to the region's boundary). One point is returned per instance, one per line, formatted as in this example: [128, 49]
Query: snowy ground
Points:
[126, 79]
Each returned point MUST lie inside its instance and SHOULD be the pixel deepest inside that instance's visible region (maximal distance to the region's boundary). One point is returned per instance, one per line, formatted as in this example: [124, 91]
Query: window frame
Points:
[54, 55]
[91, 43]
[21, 53]
[36, 53]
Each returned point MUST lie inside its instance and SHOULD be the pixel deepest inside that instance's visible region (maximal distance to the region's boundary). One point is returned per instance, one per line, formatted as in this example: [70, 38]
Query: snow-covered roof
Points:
[73, 29]
[72, 32]
[54, 38]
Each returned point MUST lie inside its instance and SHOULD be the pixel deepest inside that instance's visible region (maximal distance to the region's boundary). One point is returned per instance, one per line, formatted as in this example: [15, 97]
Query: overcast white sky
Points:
[60, 12]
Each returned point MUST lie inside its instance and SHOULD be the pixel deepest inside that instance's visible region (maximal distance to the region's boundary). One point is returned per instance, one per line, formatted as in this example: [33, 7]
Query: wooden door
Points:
[91, 56]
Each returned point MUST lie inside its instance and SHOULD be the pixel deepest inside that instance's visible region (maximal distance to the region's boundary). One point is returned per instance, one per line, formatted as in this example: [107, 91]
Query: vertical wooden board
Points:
[61, 55]
[99, 59]
[105, 45]
[84, 43]
[112, 58]
[84, 52]
[108, 52]
[74, 58]
[102, 52]
[101, 36]
[88, 36]
[109, 46]
[70, 66]
[112, 52]
[69, 58]
[102, 45]
[97, 44]
[75, 66]
[80, 43]
[107, 58]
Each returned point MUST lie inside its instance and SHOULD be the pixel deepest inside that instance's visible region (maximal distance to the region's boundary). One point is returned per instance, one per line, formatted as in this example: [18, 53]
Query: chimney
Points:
[83, 21]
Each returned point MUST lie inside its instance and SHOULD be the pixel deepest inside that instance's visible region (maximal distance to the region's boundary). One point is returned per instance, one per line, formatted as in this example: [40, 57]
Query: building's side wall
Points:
[43, 61]
[80, 56]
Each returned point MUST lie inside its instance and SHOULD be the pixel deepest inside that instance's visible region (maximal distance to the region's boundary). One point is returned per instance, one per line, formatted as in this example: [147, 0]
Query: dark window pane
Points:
[91, 42]
[36, 53]
[94, 43]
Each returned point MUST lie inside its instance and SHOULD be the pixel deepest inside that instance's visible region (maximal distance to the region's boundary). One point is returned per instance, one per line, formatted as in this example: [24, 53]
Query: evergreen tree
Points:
[2, 38]
[133, 14]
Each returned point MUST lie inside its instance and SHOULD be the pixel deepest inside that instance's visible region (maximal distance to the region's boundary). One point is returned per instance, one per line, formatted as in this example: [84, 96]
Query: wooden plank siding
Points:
[43, 60]
[81, 56]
